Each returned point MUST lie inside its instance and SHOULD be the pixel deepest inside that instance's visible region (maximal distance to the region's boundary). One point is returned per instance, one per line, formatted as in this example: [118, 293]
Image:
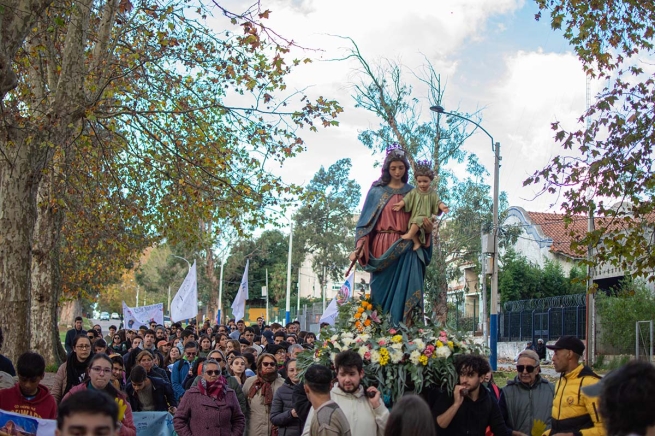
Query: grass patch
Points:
[502, 377]
[51, 368]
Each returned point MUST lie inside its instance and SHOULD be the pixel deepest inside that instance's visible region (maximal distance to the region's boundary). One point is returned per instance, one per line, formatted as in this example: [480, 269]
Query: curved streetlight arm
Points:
[440, 110]
[180, 257]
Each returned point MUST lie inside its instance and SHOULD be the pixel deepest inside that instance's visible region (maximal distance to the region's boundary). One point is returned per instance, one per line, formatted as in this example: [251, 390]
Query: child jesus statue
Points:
[421, 202]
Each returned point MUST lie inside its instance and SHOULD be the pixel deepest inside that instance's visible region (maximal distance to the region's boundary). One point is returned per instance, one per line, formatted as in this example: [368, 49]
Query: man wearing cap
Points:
[574, 412]
[526, 398]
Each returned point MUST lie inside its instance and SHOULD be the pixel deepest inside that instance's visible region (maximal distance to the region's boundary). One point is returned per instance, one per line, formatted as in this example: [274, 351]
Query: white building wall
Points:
[532, 243]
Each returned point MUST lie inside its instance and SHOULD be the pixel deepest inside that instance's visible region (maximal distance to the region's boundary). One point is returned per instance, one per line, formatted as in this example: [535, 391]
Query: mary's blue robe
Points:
[397, 277]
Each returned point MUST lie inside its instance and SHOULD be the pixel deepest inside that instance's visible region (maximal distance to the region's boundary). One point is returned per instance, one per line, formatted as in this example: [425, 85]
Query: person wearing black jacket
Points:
[72, 333]
[283, 415]
[471, 408]
[149, 393]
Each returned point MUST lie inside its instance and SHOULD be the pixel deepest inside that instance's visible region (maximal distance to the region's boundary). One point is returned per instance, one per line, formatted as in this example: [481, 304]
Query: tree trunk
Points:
[18, 187]
[69, 310]
[440, 302]
[45, 276]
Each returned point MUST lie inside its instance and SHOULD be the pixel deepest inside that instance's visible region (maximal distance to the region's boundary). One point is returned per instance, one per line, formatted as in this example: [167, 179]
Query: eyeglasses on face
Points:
[83, 347]
[211, 372]
[268, 363]
[100, 370]
[190, 354]
[528, 368]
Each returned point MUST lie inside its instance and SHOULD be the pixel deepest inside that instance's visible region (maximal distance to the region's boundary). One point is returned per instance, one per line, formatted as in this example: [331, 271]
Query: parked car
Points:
[114, 315]
[104, 316]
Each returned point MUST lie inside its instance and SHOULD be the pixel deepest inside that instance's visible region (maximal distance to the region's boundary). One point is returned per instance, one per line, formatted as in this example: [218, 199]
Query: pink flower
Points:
[367, 355]
[420, 331]
[443, 333]
[374, 317]
[382, 342]
[392, 331]
[429, 350]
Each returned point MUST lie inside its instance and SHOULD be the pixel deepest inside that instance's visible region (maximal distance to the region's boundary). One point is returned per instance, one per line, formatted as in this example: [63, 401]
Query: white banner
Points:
[239, 304]
[134, 317]
[344, 294]
[185, 303]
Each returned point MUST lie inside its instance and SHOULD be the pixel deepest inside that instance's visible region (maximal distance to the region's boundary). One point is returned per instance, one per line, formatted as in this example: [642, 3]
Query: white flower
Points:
[362, 351]
[375, 356]
[333, 356]
[334, 338]
[364, 337]
[413, 357]
[420, 345]
[443, 352]
[347, 341]
[397, 346]
[396, 356]
[347, 335]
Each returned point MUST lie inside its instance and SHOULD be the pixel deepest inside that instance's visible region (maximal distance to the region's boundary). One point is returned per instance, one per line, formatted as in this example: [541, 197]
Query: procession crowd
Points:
[235, 380]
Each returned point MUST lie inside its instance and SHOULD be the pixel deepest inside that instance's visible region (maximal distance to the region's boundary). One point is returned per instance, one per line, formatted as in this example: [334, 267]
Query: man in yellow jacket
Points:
[574, 412]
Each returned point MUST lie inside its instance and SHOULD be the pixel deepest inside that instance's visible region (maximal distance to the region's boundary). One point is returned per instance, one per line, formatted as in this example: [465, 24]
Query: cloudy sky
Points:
[491, 54]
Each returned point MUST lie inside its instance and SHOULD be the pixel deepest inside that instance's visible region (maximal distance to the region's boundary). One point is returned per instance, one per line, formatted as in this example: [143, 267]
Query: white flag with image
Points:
[344, 294]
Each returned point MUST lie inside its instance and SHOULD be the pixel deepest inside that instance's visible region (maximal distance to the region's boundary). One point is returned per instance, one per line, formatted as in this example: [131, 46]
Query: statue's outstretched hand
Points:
[398, 206]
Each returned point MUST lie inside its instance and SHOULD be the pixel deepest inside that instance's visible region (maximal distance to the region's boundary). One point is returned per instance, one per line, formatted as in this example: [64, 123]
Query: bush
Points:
[630, 303]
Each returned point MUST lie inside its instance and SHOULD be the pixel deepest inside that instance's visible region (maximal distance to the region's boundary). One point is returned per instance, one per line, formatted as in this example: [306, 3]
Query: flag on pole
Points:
[185, 303]
[239, 304]
[344, 294]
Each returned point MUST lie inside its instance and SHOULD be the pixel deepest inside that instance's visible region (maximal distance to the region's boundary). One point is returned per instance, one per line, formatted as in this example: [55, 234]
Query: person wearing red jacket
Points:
[28, 396]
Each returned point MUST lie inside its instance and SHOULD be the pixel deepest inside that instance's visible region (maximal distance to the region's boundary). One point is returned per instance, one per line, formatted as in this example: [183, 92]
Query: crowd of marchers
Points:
[238, 380]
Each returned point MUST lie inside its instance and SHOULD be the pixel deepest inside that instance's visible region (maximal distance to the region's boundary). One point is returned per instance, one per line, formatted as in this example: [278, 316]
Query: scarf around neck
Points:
[263, 383]
[215, 389]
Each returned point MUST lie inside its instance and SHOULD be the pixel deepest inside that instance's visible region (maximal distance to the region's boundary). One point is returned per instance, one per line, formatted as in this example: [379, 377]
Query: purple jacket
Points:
[201, 415]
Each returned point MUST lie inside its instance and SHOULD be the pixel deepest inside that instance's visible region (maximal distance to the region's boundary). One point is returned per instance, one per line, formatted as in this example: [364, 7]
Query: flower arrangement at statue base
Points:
[396, 358]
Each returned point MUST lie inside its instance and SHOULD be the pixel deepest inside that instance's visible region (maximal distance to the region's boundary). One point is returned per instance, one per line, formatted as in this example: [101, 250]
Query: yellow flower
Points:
[451, 345]
[384, 356]
[439, 344]
[423, 359]
[397, 339]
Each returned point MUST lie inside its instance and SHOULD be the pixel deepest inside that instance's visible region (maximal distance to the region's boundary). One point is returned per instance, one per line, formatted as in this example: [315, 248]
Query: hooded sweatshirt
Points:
[43, 405]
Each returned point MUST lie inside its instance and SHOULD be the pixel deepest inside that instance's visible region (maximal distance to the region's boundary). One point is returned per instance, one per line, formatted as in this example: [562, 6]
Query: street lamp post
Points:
[493, 310]
[288, 314]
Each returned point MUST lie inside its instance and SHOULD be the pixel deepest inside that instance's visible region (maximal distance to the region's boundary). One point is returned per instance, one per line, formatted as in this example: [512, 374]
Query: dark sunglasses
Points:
[212, 372]
[528, 368]
[268, 364]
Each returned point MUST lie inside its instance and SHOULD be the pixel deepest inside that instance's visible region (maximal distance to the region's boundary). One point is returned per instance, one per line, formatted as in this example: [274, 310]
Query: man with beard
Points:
[527, 397]
[365, 412]
[471, 408]
[574, 411]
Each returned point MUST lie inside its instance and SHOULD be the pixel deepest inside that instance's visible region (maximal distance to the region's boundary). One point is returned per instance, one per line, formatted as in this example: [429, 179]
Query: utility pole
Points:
[169, 301]
[483, 300]
[288, 314]
[267, 321]
[220, 293]
[137, 295]
[493, 319]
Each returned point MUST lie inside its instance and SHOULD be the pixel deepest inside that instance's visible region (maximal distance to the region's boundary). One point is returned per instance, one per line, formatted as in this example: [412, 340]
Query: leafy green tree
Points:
[325, 223]
[611, 39]
[268, 252]
[134, 97]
